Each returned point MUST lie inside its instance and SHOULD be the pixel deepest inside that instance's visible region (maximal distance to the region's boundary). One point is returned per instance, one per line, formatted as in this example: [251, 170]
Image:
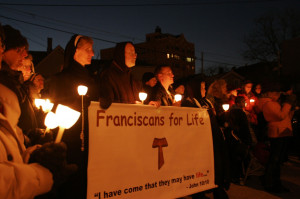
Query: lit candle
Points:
[50, 121]
[225, 107]
[47, 106]
[142, 96]
[39, 103]
[82, 90]
[66, 118]
[178, 97]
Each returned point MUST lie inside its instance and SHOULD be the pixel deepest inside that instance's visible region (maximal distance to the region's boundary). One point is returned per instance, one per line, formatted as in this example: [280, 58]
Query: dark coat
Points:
[160, 94]
[116, 82]
[14, 81]
[62, 88]
[117, 85]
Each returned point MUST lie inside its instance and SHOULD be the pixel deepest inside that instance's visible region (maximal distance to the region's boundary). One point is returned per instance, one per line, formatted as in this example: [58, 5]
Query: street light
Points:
[82, 90]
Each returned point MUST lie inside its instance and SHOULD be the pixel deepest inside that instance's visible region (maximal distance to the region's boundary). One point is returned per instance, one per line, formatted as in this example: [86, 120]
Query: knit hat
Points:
[13, 38]
[147, 76]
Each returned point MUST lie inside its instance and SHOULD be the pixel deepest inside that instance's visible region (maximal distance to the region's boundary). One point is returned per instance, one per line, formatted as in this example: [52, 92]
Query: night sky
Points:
[216, 27]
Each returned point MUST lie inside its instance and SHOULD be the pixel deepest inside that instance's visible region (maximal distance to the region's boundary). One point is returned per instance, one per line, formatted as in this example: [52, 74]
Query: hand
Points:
[177, 103]
[155, 103]
[53, 157]
[28, 152]
[39, 136]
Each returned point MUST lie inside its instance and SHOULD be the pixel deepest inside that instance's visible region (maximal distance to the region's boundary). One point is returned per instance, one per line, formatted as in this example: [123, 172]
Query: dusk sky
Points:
[216, 27]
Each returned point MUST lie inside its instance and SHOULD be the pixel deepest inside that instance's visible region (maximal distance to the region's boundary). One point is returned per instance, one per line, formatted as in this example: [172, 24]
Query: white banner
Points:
[139, 151]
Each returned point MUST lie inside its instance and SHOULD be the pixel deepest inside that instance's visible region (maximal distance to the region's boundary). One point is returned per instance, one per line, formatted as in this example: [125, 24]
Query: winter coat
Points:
[17, 179]
[62, 88]
[278, 118]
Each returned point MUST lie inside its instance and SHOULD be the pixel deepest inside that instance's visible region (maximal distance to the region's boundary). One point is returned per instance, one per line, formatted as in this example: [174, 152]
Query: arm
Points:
[19, 180]
[274, 112]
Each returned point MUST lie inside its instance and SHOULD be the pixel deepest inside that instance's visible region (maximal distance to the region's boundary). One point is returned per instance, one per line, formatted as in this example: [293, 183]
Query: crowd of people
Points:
[33, 166]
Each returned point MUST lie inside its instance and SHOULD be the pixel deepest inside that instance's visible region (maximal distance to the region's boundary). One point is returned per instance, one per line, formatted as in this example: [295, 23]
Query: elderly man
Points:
[163, 92]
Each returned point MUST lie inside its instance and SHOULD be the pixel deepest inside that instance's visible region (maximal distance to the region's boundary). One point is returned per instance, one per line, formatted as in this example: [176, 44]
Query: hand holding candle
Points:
[178, 97]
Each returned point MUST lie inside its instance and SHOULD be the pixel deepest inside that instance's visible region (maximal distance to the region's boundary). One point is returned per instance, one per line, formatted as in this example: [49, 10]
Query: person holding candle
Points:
[13, 57]
[163, 91]
[196, 97]
[62, 89]
[116, 82]
[279, 129]
[218, 95]
[27, 172]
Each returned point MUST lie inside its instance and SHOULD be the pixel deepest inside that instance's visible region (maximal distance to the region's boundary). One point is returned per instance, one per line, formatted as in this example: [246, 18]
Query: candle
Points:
[178, 97]
[66, 118]
[142, 96]
[225, 107]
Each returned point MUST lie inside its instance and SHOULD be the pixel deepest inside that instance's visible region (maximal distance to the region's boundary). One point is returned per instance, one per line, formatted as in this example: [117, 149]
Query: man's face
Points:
[84, 54]
[166, 76]
[14, 57]
[130, 55]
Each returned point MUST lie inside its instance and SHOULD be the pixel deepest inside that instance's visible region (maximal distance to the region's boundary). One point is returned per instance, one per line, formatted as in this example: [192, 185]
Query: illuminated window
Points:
[189, 59]
[168, 56]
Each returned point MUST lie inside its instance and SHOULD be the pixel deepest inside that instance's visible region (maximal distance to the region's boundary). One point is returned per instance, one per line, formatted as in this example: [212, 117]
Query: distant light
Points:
[168, 56]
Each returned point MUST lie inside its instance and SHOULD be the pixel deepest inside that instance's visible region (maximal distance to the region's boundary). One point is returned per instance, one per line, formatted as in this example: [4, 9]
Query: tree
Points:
[264, 43]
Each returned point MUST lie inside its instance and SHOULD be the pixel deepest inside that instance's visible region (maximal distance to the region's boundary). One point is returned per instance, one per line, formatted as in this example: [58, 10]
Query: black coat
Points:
[14, 80]
[117, 85]
[160, 94]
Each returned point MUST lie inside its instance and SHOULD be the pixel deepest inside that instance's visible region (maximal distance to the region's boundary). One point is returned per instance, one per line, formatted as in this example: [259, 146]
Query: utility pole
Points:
[202, 65]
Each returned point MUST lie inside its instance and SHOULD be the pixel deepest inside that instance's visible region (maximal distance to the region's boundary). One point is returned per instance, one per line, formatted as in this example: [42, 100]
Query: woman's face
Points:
[84, 53]
[152, 82]
[258, 89]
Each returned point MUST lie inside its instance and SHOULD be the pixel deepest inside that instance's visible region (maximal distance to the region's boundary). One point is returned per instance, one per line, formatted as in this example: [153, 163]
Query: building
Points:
[162, 49]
